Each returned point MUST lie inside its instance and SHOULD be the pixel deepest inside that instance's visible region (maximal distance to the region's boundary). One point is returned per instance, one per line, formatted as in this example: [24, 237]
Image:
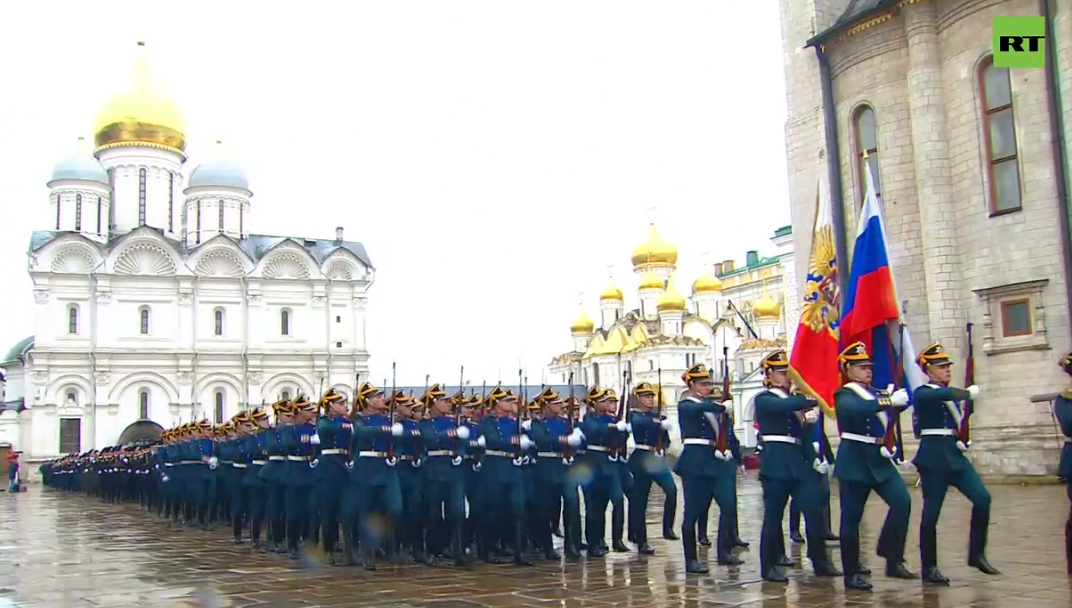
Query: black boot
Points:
[668, 533]
[458, 548]
[898, 570]
[692, 562]
[417, 542]
[932, 576]
[1068, 543]
[519, 545]
[857, 582]
[617, 530]
[236, 529]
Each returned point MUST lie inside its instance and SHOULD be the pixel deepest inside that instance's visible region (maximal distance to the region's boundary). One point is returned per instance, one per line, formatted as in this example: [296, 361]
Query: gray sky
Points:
[473, 146]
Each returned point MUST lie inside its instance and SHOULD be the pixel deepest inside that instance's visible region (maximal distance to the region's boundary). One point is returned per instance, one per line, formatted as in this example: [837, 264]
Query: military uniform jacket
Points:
[277, 455]
[550, 437]
[602, 436]
[1062, 410]
[938, 414]
[859, 416]
[501, 438]
[440, 439]
[788, 452]
[695, 418]
[257, 455]
[648, 436]
[336, 436]
[300, 452]
[372, 439]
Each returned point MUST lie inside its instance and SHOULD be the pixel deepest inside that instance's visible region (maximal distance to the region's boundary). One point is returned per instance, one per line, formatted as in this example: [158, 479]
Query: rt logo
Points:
[1019, 42]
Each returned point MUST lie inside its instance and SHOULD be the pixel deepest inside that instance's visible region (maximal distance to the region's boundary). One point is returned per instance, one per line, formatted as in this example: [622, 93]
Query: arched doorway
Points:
[141, 432]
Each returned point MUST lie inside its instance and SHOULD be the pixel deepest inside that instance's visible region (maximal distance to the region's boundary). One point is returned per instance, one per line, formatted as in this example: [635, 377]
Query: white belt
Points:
[240, 465]
[599, 448]
[260, 462]
[169, 464]
[861, 438]
[707, 442]
[298, 458]
[277, 458]
[781, 439]
[441, 453]
[1068, 439]
[550, 454]
[330, 451]
[190, 462]
[499, 453]
[936, 433]
[227, 462]
[372, 454]
[646, 448]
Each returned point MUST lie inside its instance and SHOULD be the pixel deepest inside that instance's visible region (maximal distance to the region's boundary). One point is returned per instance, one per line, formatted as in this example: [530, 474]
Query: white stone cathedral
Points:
[156, 304]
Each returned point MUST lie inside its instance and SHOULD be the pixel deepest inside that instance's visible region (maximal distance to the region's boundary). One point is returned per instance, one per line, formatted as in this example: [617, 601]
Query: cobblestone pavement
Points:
[69, 551]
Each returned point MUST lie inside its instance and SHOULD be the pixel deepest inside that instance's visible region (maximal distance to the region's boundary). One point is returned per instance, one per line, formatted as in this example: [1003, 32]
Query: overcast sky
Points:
[494, 156]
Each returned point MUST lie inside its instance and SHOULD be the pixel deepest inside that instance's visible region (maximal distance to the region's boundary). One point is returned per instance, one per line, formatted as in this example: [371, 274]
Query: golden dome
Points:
[583, 324]
[767, 307]
[140, 115]
[650, 280]
[671, 300]
[708, 283]
[655, 252]
[612, 293]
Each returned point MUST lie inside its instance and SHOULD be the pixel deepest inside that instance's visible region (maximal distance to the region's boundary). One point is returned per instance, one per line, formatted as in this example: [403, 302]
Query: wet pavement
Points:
[62, 551]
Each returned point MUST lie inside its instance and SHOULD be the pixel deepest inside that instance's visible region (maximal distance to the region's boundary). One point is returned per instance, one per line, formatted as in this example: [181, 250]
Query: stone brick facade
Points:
[955, 262]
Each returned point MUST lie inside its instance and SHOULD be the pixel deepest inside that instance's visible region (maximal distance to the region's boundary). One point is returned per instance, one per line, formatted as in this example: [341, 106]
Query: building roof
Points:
[19, 350]
[857, 12]
[15, 406]
[226, 173]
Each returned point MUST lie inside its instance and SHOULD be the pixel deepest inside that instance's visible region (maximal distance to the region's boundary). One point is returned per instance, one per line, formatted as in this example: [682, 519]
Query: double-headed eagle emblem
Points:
[821, 298]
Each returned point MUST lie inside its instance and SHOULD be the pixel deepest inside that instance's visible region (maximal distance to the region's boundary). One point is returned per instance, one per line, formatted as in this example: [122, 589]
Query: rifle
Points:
[623, 400]
[458, 411]
[723, 419]
[517, 450]
[357, 389]
[659, 413]
[964, 432]
[566, 449]
[889, 439]
[391, 441]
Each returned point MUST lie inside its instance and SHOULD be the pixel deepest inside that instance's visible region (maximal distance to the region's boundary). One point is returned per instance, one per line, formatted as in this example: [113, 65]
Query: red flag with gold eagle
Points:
[813, 364]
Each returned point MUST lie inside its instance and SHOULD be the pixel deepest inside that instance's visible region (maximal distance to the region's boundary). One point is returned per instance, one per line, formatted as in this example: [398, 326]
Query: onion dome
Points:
[650, 280]
[583, 324]
[140, 115]
[220, 172]
[654, 253]
[612, 293]
[670, 300]
[767, 307]
[80, 166]
[708, 283]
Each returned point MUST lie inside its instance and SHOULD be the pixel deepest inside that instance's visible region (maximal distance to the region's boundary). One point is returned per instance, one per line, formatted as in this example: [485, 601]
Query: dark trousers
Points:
[296, 499]
[805, 494]
[276, 512]
[935, 484]
[699, 490]
[894, 531]
[331, 482]
[601, 491]
[378, 508]
[553, 497]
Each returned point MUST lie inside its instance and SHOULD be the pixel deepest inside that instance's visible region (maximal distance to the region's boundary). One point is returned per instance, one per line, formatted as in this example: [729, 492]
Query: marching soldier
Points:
[333, 437]
[374, 479]
[471, 413]
[205, 473]
[1062, 410]
[257, 454]
[299, 443]
[651, 434]
[601, 430]
[864, 465]
[445, 441]
[941, 463]
[410, 452]
[787, 468]
[705, 471]
[555, 442]
[501, 470]
[239, 459]
[273, 474]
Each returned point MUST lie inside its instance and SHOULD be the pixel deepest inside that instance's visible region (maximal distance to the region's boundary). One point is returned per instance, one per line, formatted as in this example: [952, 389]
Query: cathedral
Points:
[970, 162]
[156, 304]
[734, 317]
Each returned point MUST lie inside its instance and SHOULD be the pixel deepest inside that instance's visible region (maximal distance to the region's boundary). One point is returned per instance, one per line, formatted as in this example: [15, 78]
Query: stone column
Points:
[930, 138]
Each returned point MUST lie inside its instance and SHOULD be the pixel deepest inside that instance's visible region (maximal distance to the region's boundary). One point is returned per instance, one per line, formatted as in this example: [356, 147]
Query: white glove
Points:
[392, 461]
[963, 447]
[349, 465]
[899, 397]
[817, 464]
[720, 455]
[567, 461]
[417, 462]
[462, 432]
[667, 424]
[621, 425]
[728, 404]
[397, 429]
[889, 388]
[628, 427]
[526, 424]
[165, 478]
[574, 440]
[314, 439]
[824, 467]
[815, 445]
[526, 459]
[885, 452]
[526, 443]
[482, 442]
[577, 431]
[476, 467]
[457, 460]
[315, 461]
[518, 462]
[211, 465]
[974, 391]
[811, 416]
[213, 462]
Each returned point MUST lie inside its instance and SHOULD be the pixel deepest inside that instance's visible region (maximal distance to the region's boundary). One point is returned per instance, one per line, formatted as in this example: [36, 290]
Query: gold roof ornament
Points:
[611, 293]
[583, 324]
[140, 115]
[767, 307]
[654, 253]
[708, 283]
[671, 300]
[650, 280]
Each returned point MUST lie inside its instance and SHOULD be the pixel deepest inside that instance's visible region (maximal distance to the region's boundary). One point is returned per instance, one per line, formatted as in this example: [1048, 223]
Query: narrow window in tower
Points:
[220, 205]
[219, 407]
[171, 201]
[866, 151]
[111, 197]
[198, 221]
[241, 221]
[999, 127]
[59, 210]
[142, 176]
[78, 213]
[143, 405]
[100, 215]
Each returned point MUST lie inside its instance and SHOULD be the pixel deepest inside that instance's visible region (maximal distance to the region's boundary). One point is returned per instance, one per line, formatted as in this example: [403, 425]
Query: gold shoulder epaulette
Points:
[1067, 394]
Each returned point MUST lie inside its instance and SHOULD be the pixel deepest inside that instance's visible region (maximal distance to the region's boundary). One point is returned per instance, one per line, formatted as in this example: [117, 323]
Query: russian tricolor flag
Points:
[870, 311]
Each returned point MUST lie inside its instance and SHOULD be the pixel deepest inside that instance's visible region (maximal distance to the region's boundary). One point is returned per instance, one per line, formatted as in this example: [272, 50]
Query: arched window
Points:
[999, 128]
[78, 213]
[72, 396]
[143, 315]
[59, 210]
[285, 395]
[219, 407]
[171, 201]
[72, 319]
[142, 185]
[220, 204]
[143, 405]
[866, 131]
[218, 322]
[284, 322]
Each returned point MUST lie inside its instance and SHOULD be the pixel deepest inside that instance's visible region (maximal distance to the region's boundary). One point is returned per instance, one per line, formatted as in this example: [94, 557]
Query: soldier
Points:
[257, 454]
[651, 433]
[471, 413]
[827, 455]
[705, 471]
[1062, 411]
[601, 429]
[941, 463]
[239, 458]
[273, 475]
[374, 482]
[555, 442]
[444, 482]
[204, 474]
[501, 474]
[334, 437]
[297, 477]
[786, 468]
[865, 465]
[409, 450]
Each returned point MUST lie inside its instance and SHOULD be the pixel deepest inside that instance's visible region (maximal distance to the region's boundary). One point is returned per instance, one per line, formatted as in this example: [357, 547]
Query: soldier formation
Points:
[491, 477]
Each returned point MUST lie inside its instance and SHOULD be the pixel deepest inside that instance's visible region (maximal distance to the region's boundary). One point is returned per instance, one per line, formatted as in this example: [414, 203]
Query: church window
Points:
[198, 220]
[142, 177]
[218, 321]
[143, 405]
[72, 320]
[1016, 317]
[100, 215]
[111, 197]
[595, 374]
[285, 395]
[241, 221]
[143, 315]
[70, 435]
[651, 365]
[78, 213]
[999, 128]
[219, 407]
[866, 129]
[59, 210]
[284, 322]
[220, 205]
[171, 201]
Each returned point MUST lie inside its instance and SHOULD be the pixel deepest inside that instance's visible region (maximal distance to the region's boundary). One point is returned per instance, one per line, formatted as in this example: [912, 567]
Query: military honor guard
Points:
[941, 463]
[1062, 411]
[333, 438]
[299, 444]
[787, 468]
[556, 441]
[502, 478]
[256, 452]
[651, 436]
[865, 464]
[445, 439]
[601, 429]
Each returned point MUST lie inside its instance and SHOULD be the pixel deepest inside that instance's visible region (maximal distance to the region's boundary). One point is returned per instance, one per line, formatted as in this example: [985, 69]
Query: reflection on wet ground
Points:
[69, 551]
